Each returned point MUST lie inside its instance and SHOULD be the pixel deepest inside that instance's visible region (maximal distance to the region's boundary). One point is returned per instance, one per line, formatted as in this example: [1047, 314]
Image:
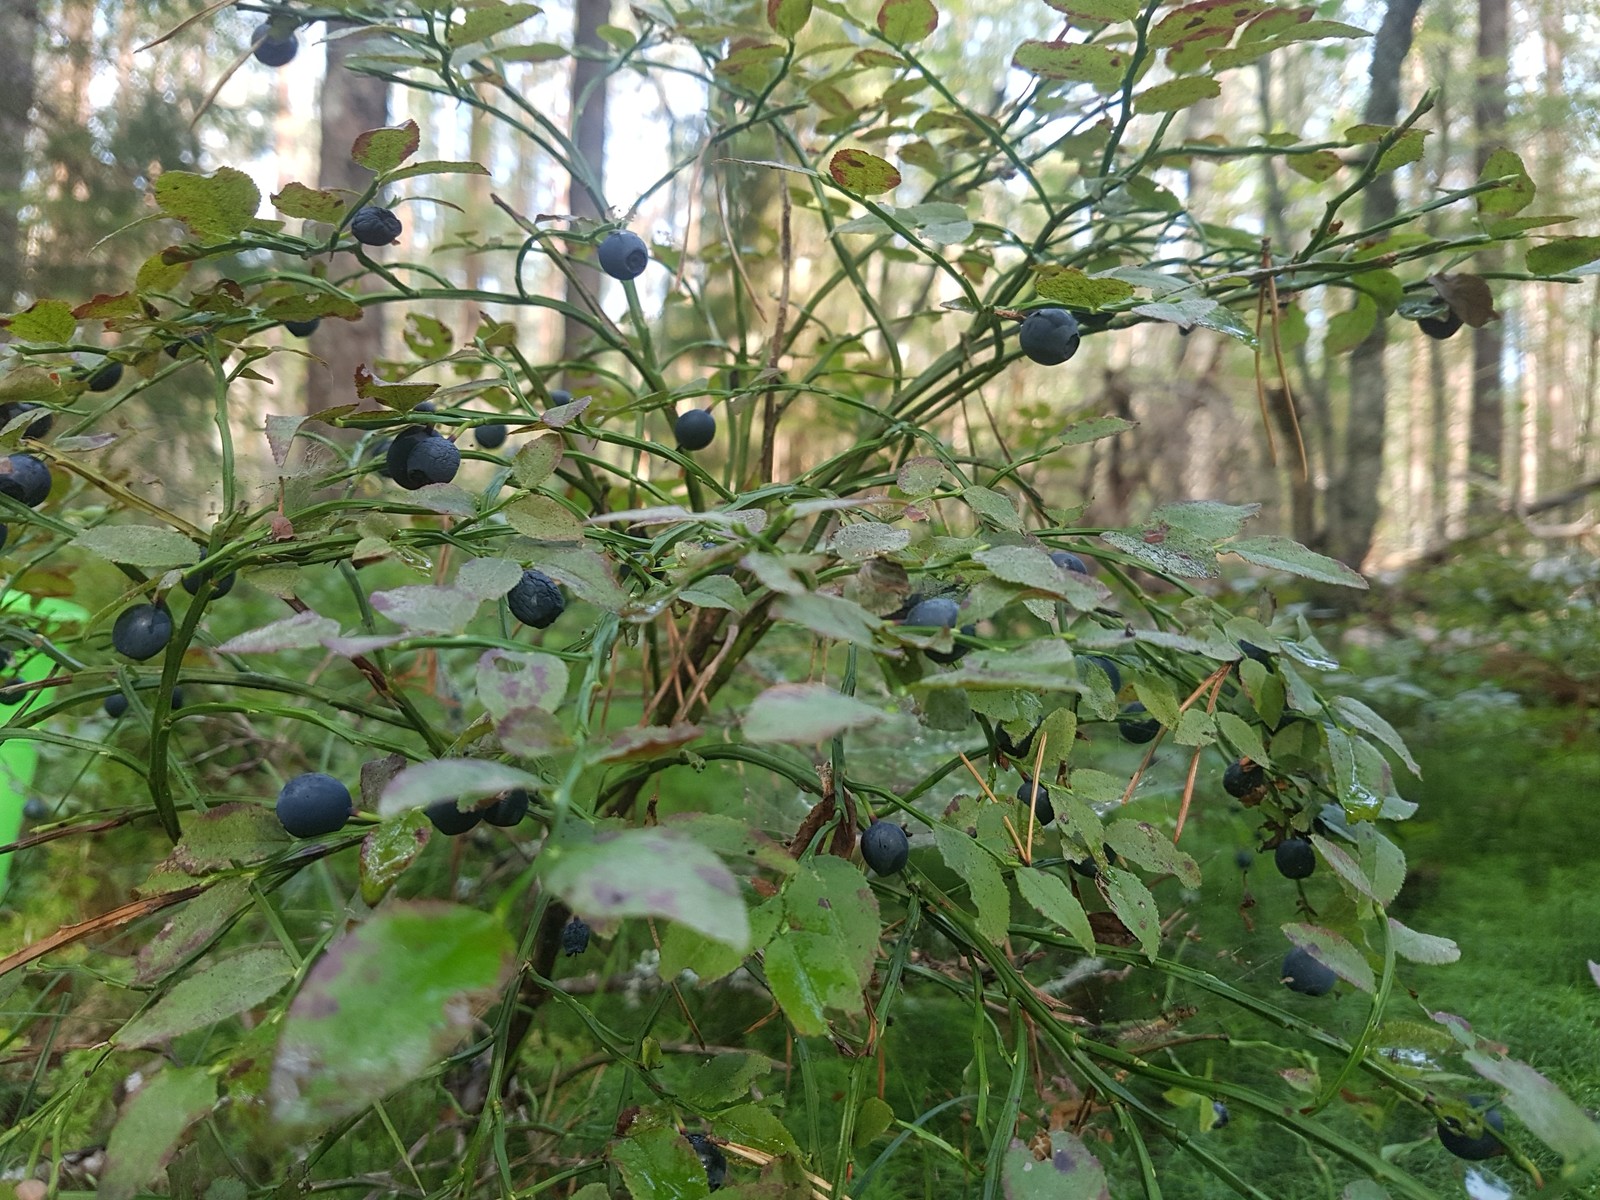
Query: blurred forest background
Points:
[1414, 443]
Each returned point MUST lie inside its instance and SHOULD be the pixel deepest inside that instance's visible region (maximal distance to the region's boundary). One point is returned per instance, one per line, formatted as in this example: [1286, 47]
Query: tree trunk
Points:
[1353, 506]
[1484, 451]
[351, 105]
[588, 133]
[19, 31]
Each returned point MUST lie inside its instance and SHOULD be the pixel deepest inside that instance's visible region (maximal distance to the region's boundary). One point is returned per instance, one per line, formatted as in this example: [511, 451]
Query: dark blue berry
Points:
[1240, 780]
[1295, 858]
[1304, 974]
[115, 704]
[1049, 336]
[623, 255]
[23, 477]
[1068, 561]
[1035, 793]
[142, 631]
[313, 804]
[37, 428]
[711, 1159]
[1135, 727]
[303, 329]
[1475, 1145]
[509, 809]
[490, 437]
[536, 599]
[885, 848]
[106, 376]
[449, 820]
[375, 226]
[695, 429]
[198, 575]
[575, 937]
[273, 51]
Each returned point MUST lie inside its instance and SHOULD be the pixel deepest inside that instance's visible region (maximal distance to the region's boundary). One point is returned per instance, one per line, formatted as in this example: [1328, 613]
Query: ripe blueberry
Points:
[1304, 974]
[303, 329]
[1090, 869]
[559, 396]
[536, 599]
[623, 255]
[195, 340]
[198, 575]
[1049, 336]
[694, 429]
[1244, 859]
[421, 456]
[142, 631]
[115, 704]
[35, 809]
[1137, 729]
[711, 1159]
[1458, 1137]
[106, 376]
[490, 437]
[1035, 793]
[1113, 676]
[450, 820]
[1295, 858]
[1239, 780]
[1068, 561]
[509, 809]
[273, 51]
[38, 427]
[398, 449]
[11, 692]
[23, 477]
[1440, 328]
[312, 804]
[1219, 1115]
[936, 612]
[375, 226]
[1011, 748]
[575, 937]
[1253, 651]
[885, 848]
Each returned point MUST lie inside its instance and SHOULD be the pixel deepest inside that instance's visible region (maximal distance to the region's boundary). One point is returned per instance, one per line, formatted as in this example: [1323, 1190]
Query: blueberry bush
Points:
[587, 807]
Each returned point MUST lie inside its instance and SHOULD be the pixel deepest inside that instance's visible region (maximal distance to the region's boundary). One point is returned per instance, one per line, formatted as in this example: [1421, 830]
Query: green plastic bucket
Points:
[19, 757]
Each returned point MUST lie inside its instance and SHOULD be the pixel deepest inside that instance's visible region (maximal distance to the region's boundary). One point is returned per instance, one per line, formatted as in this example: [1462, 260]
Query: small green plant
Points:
[677, 711]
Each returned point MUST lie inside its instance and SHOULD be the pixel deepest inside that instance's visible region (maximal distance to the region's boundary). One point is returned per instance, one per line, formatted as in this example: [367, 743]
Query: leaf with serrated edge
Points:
[1334, 952]
[1056, 904]
[804, 713]
[1132, 901]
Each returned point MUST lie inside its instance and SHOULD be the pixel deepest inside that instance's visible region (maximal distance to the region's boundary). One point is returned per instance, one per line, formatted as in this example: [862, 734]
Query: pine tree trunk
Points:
[351, 105]
[19, 33]
[588, 133]
[1353, 505]
[1485, 448]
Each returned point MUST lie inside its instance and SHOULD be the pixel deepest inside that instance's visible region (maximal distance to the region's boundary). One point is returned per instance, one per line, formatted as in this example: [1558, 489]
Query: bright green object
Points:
[19, 757]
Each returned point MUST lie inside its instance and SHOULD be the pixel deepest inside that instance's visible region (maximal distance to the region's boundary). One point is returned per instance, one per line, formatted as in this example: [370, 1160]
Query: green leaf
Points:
[865, 539]
[830, 897]
[1168, 551]
[425, 783]
[1550, 1115]
[1333, 952]
[230, 833]
[1284, 554]
[1146, 846]
[808, 974]
[299, 632]
[42, 321]
[191, 928]
[391, 847]
[381, 1005]
[715, 591]
[1070, 1173]
[1108, 11]
[1078, 62]
[1211, 520]
[752, 1125]
[215, 207]
[1560, 255]
[1055, 903]
[862, 173]
[537, 460]
[1423, 948]
[1407, 148]
[139, 545]
[725, 1078]
[829, 617]
[1081, 433]
[921, 477]
[508, 680]
[805, 713]
[544, 519]
[788, 17]
[611, 873]
[1350, 328]
[682, 949]
[1070, 286]
[1317, 166]
[905, 21]
[978, 868]
[483, 20]
[1177, 94]
[434, 166]
[1364, 719]
[217, 991]
[149, 1126]
[386, 148]
[310, 204]
[658, 1163]
[427, 608]
[1132, 901]
[1206, 313]
[1509, 198]
[993, 508]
